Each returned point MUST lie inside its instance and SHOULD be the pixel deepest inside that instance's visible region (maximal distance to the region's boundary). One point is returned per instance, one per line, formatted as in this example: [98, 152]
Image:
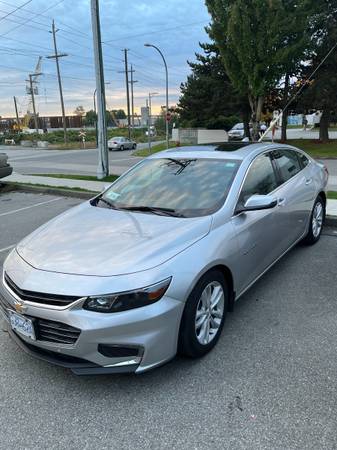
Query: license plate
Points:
[22, 325]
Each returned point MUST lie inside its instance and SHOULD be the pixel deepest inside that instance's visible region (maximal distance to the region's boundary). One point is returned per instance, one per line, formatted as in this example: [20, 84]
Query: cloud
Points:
[174, 26]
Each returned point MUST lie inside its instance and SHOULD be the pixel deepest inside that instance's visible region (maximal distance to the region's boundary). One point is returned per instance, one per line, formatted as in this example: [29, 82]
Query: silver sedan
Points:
[151, 266]
[121, 143]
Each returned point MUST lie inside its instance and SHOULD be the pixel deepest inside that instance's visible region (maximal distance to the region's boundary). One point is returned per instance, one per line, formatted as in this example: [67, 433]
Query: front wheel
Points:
[121, 147]
[316, 222]
[204, 315]
[134, 146]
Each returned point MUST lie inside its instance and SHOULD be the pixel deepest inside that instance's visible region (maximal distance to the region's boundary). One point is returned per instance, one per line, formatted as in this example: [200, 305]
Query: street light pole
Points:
[167, 93]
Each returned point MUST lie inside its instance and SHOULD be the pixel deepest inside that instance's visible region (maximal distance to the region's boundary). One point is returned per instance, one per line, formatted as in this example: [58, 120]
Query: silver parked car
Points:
[151, 266]
[121, 143]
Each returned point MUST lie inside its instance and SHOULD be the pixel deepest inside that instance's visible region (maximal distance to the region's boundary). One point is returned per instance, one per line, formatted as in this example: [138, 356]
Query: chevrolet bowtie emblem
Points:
[19, 307]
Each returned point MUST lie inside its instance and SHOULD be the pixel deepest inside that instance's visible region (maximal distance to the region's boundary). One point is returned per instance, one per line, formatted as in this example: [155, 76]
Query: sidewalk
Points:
[98, 186]
[93, 186]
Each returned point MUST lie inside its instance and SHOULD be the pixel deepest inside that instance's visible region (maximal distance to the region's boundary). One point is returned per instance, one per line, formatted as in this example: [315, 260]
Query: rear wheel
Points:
[204, 315]
[316, 222]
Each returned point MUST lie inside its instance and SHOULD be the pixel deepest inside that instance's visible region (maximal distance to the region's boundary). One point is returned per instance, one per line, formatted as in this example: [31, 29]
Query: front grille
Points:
[56, 332]
[40, 298]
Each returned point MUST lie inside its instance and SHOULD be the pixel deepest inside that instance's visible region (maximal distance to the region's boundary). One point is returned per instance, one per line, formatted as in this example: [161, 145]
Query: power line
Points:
[162, 30]
[30, 19]
[16, 9]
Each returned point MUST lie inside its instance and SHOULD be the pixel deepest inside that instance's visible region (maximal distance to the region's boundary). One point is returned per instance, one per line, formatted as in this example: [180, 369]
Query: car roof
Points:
[227, 150]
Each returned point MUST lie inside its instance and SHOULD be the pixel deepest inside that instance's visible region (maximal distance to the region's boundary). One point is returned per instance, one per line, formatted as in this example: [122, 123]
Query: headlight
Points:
[127, 300]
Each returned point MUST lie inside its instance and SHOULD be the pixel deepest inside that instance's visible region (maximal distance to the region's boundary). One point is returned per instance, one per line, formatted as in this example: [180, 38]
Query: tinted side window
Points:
[288, 163]
[304, 160]
[260, 179]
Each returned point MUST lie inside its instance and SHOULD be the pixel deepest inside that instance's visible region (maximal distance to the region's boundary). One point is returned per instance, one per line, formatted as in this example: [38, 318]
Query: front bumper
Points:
[153, 330]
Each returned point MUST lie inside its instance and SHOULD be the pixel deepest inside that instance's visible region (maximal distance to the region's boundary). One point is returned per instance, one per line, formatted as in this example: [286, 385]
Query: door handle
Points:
[308, 181]
[281, 201]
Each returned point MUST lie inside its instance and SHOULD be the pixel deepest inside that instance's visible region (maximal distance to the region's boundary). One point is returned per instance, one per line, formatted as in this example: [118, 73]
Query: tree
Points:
[119, 113]
[208, 97]
[321, 93]
[90, 118]
[258, 41]
[160, 123]
[79, 111]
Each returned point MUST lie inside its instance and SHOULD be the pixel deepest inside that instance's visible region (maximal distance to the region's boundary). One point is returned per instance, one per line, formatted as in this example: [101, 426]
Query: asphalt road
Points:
[84, 162]
[39, 161]
[269, 384]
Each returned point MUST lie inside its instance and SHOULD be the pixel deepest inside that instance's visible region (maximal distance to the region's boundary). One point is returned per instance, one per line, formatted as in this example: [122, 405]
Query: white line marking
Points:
[30, 207]
[6, 248]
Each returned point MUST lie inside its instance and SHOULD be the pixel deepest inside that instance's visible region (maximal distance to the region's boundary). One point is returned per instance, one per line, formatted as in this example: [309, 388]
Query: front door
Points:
[258, 232]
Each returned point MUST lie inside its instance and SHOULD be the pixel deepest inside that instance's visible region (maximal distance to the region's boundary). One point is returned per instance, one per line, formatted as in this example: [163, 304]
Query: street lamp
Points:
[167, 101]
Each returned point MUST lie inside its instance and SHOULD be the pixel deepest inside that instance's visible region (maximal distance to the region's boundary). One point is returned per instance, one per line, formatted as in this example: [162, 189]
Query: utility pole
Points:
[148, 125]
[127, 89]
[56, 56]
[16, 113]
[149, 108]
[132, 82]
[31, 75]
[103, 159]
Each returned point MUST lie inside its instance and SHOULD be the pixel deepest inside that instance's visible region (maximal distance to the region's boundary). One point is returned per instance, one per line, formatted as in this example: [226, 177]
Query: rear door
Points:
[296, 193]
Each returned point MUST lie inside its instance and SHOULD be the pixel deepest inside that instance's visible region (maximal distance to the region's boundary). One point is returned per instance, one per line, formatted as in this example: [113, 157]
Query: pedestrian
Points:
[305, 123]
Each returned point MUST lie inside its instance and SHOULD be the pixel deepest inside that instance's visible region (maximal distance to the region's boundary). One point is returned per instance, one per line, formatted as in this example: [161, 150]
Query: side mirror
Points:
[259, 202]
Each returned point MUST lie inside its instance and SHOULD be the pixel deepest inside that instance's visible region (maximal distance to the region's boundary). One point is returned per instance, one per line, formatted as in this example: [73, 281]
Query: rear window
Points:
[287, 163]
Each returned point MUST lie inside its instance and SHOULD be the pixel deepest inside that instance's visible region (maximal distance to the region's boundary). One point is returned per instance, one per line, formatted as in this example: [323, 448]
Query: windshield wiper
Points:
[107, 202]
[153, 209]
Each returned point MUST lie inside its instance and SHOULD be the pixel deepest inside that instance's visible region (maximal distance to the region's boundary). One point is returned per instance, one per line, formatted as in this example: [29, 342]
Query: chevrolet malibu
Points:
[151, 266]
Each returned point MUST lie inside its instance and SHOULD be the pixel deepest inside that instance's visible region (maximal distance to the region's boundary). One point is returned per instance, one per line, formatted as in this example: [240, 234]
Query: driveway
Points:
[269, 384]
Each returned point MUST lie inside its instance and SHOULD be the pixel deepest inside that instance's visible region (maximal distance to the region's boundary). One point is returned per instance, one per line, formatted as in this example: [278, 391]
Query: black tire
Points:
[188, 344]
[110, 149]
[134, 146]
[121, 147]
[311, 238]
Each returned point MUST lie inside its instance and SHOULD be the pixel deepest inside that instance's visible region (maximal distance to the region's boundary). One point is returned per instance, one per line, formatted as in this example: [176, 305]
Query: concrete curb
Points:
[8, 187]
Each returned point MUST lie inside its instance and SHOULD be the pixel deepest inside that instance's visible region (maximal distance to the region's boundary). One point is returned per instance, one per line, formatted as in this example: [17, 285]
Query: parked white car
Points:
[121, 143]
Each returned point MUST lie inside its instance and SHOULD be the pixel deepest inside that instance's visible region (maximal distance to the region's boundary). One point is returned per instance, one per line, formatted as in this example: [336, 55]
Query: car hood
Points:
[88, 240]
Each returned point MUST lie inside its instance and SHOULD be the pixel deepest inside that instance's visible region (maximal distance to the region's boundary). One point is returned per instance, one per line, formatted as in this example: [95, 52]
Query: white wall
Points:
[209, 136]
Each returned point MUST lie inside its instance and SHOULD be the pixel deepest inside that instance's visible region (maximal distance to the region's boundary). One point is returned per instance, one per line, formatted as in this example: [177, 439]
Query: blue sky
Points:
[173, 25]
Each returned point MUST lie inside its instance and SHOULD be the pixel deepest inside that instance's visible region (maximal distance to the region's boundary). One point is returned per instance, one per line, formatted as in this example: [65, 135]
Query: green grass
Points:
[332, 195]
[315, 148]
[110, 178]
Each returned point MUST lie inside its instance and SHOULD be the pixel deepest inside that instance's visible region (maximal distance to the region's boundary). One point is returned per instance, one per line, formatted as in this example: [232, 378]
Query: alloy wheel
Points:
[210, 311]
[317, 219]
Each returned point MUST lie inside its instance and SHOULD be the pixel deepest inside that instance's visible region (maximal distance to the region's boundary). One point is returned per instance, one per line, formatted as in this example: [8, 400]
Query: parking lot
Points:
[269, 384]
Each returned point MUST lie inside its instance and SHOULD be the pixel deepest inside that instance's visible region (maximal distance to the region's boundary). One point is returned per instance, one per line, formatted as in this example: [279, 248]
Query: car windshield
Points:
[183, 187]
[238, 126]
